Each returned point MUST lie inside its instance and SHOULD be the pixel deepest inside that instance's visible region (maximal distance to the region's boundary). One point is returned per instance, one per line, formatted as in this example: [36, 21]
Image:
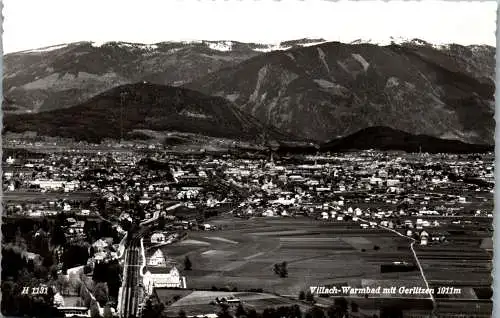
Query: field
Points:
[466, 254]
[199, 301]
[26, 196]
[242, 255]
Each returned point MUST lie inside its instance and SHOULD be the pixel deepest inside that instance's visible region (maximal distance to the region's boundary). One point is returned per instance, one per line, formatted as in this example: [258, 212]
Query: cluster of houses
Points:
[387, 188]
[402, 194]
[365, 189]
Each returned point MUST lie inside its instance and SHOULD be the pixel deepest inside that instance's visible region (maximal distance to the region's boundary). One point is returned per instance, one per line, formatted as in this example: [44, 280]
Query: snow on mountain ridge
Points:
[227, 46]
[223, 46]
[46, 49]
[312, 43]
[272, 47]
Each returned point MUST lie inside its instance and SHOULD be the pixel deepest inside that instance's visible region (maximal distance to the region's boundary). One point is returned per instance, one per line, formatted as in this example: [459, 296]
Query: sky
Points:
[30, 24]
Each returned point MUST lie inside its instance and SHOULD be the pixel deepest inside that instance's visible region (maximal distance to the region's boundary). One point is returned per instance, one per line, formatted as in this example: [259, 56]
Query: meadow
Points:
[241, 256]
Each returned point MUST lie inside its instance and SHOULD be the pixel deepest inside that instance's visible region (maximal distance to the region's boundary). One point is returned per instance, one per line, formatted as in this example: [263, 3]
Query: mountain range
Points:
[65, 75]
[304, 89]
[335, 89]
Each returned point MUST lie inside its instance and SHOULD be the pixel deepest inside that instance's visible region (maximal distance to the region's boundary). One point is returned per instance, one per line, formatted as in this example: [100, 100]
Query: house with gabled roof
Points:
[157, 259]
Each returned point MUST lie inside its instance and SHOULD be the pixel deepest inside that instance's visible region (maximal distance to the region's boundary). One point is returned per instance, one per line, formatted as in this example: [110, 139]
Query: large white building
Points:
[162, 279]
[159, 274]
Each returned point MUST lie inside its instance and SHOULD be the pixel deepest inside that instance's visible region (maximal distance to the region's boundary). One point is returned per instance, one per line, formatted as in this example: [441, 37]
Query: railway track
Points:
[131, 279]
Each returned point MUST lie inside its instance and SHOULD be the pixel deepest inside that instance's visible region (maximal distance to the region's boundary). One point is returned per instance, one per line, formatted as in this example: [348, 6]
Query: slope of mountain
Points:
[335, 89]
[129, 109]
[385, 138]
[66, 75]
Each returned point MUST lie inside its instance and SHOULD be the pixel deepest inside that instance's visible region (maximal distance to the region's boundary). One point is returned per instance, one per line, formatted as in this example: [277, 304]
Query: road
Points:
[413, 241]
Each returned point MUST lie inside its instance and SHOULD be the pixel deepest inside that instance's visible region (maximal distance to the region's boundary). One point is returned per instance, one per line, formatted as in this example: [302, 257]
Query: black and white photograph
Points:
[248, 158]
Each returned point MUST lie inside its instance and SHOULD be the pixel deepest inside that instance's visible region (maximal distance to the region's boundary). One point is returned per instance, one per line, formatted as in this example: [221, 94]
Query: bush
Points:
[187, 264]
[281, 269]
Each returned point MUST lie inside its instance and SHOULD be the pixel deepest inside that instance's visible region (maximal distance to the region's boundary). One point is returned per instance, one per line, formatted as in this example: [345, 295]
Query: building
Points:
[58, 300]
[424, 238]
[157, 259]
[157, 238]
[100, 245]
[48, 184]
[159, 274]
[75, 311]
[161, 277]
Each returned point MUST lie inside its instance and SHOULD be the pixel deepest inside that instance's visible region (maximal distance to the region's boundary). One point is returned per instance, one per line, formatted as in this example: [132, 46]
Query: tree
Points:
[19, 239]
[284, 270]
[58, 238]
[269, 313]
[391, 312]
[339, 308]
[75, 284]
[315, 312]
[161, 222]
[148, 310]
[94, 312]
[224, 312]
[62, 284]
[309, 296]
[107, 312]
[101, 293]
[182, 314]
[354, 307]
[126, 224]
[281, 269]
[48, 260]
[334, 312]
[302, 295]
[295, 312]
[45, 226]
[341, 303]
[240, 311]
[187, 263]
[159, 308]
[252, 313]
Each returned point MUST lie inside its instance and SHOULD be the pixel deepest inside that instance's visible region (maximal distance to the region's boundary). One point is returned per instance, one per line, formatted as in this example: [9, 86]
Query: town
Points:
[147, 232]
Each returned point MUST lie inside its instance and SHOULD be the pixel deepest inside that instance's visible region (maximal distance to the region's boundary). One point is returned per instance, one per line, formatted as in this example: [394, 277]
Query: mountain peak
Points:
[131, 108]
[387, 138]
